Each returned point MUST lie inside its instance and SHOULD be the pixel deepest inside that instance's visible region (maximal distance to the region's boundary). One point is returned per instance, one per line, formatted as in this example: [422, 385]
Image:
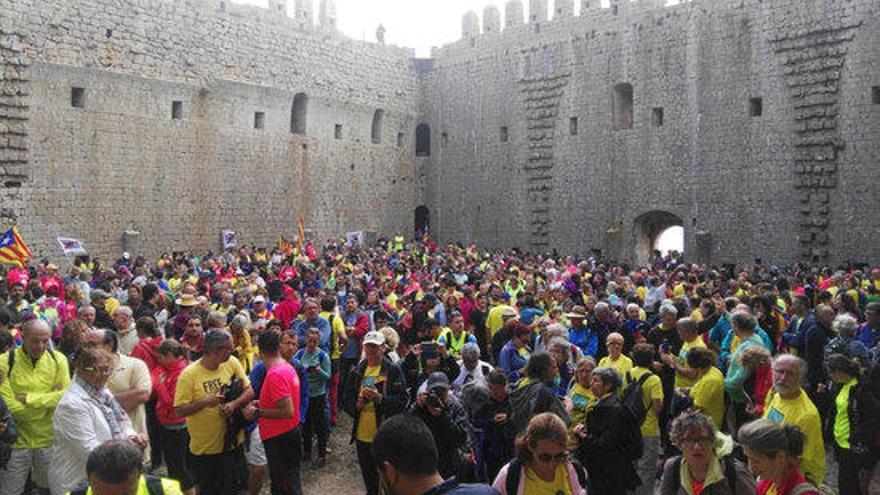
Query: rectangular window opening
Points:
[504, 134]
[259, 120]
[573, 126]
[337, 131]
[77, 97]
[756, 107]
[875, 95]
[657, 116]
[400, 140]
[444, 139]
[109, 33]
[176, 110]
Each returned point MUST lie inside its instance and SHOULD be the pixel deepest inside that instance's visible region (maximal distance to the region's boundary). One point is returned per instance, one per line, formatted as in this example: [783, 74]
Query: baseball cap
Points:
[374, 337]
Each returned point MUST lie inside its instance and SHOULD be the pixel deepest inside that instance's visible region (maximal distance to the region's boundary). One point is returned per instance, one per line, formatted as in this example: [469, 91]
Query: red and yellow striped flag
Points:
[300, 235]
[13, 250]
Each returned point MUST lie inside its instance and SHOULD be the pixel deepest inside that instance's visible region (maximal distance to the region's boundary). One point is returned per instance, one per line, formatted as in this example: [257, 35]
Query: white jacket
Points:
[77, 428]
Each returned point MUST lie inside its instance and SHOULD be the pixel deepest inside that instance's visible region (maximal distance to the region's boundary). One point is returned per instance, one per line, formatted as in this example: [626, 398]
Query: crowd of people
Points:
[462, 371]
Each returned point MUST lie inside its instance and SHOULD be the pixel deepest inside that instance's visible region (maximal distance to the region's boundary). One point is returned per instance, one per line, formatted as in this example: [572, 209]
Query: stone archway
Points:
[647, 227]
[421, 220]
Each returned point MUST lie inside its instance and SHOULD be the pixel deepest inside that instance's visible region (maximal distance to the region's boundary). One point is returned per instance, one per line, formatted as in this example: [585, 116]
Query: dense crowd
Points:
[463, 372]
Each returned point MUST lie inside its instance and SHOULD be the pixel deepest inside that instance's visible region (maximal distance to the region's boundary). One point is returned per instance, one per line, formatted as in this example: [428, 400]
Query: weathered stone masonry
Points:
[754, 125]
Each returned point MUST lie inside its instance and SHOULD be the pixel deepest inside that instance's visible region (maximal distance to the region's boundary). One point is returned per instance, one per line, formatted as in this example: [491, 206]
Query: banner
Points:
[230, 239]
[72, 247]
[300, 236]
[355, 238]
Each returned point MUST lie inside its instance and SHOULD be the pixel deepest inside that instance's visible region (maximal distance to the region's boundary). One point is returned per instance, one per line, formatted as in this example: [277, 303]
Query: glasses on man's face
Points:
[552, 458]
[104, 370]
[785, 372]
[693, 442]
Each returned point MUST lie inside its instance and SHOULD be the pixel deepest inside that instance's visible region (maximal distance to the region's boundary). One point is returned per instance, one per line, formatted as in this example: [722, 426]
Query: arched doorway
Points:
[422, 220]
[656, 230]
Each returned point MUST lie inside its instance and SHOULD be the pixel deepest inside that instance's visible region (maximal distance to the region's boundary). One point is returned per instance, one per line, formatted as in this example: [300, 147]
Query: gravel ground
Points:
[341, 475]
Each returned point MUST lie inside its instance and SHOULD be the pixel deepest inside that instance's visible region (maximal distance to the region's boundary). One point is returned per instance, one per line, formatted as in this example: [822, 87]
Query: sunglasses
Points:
[554, 458]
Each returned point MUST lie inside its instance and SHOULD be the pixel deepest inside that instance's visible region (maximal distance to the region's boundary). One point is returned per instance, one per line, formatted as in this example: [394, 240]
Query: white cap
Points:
[259, 299]
[374, 337]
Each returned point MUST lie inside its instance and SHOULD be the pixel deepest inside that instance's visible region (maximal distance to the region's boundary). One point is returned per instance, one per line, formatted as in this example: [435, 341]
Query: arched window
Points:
[423, 140]
[376, 134]
[623, 106]
[299, 113]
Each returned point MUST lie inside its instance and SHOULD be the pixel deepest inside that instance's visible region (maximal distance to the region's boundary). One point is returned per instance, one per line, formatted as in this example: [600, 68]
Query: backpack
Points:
[634, 406]
[11, 357]
[726, 463]
[514, 472]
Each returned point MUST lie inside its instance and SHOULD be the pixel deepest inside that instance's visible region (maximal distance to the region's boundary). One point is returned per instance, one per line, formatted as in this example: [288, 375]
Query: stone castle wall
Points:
[120, 162]
[755, 125]
[793, 183]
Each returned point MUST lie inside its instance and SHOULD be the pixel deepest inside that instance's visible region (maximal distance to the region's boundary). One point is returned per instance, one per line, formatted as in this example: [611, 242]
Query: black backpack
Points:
[514, 472]
[634, 407]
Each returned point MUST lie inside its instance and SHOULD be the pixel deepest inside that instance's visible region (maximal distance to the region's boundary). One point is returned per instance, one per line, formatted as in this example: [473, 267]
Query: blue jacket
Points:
[586, 340]
[510, 361]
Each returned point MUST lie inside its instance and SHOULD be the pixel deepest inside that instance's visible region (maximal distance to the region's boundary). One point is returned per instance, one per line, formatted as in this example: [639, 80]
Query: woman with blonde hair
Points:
[392, 340]
[541, 464]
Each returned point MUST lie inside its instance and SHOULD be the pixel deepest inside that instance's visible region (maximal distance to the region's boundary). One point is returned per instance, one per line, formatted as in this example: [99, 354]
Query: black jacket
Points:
[863, 412]
[9, 436]
[452, 432]
[611, 472]
[392, 388]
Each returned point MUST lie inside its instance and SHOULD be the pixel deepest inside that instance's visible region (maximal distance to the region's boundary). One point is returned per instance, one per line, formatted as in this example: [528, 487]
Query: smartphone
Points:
[665, 346]
[429, 350]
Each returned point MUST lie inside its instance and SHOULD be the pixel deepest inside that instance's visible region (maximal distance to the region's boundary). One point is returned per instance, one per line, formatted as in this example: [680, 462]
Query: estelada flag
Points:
[300, 235]
[13, 249]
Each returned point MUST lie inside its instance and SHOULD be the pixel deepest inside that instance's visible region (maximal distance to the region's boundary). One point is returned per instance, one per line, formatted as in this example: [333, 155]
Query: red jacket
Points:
[288, 309]
[145, 350]
[164, 385]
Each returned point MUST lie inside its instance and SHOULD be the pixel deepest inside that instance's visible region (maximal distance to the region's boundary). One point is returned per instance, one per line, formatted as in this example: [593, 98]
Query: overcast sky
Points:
[418, 24]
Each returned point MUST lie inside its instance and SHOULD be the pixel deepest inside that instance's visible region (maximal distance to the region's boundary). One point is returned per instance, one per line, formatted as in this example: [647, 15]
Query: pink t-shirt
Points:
[281, 381]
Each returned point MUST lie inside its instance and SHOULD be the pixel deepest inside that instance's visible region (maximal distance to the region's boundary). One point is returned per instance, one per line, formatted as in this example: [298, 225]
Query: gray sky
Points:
[418, 24]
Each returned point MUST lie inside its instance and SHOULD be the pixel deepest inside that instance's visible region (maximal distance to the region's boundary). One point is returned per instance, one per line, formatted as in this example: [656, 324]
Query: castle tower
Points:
[304, 12]
[513, 13]
[563, 9]
[491, 20]
[537, 10]
[470, 25]
[327, 15]
[278, 6]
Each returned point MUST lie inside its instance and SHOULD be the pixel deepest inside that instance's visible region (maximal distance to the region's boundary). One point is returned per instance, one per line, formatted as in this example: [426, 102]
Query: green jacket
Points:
[42, 383]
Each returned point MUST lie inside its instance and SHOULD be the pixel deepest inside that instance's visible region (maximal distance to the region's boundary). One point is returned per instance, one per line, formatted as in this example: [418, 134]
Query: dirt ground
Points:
[341, 475]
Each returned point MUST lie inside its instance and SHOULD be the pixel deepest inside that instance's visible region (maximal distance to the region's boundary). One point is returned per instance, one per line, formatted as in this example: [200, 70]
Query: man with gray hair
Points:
[34, 379]
[472, 370]
[846, 343]
[205, 397]
[789, 404]
[124, 326]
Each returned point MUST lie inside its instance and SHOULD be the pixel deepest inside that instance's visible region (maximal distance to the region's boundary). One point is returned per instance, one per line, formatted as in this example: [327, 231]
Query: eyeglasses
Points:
[99, 369]
[693, 442]
[552, 458]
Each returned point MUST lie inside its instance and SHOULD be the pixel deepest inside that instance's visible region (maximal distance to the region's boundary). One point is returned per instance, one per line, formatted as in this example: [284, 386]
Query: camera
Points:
[433, 400]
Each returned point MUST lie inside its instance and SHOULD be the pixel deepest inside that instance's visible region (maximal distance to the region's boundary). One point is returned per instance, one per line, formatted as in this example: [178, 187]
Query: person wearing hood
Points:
[706, 466]
[171, 356]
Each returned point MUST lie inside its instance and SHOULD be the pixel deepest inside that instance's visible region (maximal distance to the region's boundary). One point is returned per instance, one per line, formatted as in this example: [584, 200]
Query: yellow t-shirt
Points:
[560, 484]
[581, 398]
[708, 395]
[652, 390]
[622, 365]
[494, 321]
[338, 330]
[842, 427]
[206, 427]
[801, 412]
[366, 429]
[680, 380]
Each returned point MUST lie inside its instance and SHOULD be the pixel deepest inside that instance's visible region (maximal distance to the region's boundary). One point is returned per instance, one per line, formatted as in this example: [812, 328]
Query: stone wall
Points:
[752, 126]
[121, 161]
